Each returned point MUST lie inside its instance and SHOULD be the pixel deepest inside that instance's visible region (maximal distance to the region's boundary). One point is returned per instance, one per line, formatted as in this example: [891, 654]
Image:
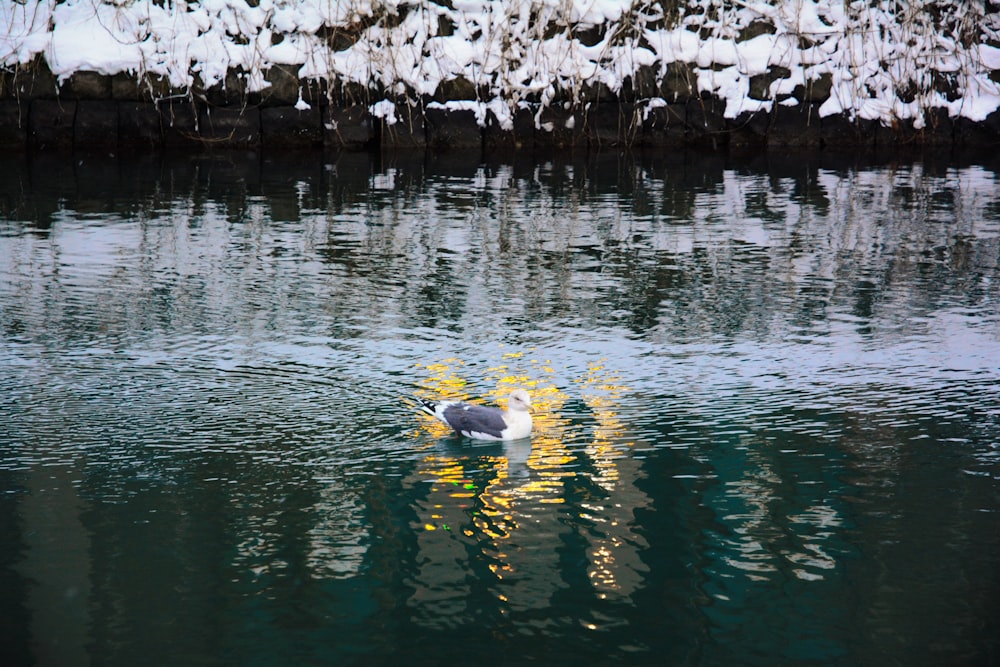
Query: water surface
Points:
[767, 426]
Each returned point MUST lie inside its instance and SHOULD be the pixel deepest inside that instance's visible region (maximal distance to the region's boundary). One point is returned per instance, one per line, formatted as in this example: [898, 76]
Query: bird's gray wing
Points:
[466, 418]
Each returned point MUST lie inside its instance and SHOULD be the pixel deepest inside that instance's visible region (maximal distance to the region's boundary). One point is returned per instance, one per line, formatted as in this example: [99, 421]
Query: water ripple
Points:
[757, 397]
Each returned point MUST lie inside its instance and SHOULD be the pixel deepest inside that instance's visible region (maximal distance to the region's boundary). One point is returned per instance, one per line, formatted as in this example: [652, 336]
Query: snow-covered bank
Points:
[527, 66]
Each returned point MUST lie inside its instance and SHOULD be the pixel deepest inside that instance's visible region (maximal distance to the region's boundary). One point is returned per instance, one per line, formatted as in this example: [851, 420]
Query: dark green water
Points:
[768, 426]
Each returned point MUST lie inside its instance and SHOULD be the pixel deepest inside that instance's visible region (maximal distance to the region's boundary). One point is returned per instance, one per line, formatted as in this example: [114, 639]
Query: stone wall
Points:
[126, 112]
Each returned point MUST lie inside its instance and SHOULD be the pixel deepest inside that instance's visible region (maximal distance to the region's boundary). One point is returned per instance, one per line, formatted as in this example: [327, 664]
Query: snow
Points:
[517, 50]
[301, 104]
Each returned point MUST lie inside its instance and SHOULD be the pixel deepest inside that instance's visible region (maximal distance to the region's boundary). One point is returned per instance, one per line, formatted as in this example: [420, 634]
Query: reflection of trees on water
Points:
[669, 250]
[670, 256]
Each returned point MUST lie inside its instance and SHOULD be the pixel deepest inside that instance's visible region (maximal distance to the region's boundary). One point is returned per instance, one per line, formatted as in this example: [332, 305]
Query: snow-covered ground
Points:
[886, 60]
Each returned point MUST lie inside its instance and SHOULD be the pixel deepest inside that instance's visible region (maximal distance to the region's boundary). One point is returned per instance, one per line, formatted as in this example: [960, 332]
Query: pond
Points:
[766, 399]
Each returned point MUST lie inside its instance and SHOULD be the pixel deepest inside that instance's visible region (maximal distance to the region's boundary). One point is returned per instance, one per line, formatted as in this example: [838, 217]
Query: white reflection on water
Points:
[748, 237]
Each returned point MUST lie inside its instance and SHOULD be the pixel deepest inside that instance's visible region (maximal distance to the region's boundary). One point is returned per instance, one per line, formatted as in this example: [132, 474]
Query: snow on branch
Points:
[882, 59]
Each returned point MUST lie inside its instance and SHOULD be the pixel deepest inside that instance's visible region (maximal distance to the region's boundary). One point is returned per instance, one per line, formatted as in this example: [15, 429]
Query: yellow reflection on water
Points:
[541, 464]
[548, 459]
[496, 493]
[614, 564]
[602, 391]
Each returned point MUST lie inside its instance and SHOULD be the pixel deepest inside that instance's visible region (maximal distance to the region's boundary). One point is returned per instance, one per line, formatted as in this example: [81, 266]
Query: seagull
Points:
[481, 422]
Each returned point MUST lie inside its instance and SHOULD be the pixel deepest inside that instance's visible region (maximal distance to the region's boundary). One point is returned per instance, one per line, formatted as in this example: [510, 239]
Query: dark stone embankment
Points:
[129, 113]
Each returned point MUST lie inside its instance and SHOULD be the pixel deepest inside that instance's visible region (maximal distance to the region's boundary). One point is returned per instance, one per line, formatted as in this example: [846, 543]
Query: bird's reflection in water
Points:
[517, 453]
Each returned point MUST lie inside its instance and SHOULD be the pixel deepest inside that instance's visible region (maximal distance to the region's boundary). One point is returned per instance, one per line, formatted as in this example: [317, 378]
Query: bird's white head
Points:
[519, 399]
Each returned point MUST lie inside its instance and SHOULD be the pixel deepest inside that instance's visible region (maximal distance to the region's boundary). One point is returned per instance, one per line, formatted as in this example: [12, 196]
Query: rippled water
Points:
[768, 411]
